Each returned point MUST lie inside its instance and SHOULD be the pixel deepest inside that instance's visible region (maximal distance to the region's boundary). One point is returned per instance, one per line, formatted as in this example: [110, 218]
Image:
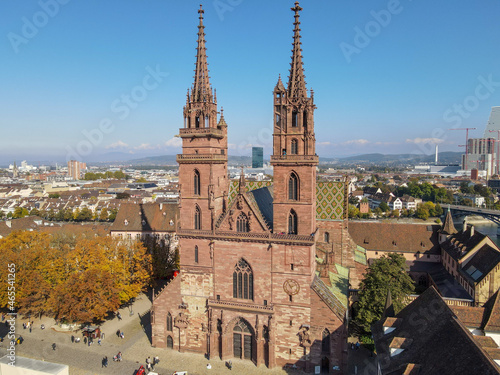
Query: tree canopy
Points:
[76, 279]
[387, 272]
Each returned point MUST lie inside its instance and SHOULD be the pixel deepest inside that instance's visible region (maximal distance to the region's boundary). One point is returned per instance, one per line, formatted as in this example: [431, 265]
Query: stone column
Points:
[272, 342]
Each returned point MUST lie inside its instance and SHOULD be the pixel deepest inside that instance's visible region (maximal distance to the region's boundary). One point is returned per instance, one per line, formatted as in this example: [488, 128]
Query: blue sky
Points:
[389, 76]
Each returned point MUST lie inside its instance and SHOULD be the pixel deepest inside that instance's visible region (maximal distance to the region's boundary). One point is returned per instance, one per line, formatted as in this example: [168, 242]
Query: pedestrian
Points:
[72, 338]
[24, 325]
[119, 316]
[106, 361]
[230, 365]
[54, 346]
[156, 360]
[148, 366]
[30, 328]
[357, 345]
[122, 335]
[85, 340]
[102, 362]
[42, 326]
[118, 333]
[102, 335]
[148, 360]
[99, 342]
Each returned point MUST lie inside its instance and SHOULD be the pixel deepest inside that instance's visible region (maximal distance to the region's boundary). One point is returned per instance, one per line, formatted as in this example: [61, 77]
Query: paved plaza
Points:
[135, 347]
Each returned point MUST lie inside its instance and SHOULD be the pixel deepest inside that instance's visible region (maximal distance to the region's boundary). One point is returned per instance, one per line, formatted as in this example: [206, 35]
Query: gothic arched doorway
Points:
[243, 338]
[325, 365]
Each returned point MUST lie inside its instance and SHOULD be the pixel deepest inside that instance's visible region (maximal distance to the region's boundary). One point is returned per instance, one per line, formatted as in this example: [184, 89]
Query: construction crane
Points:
[466, 143]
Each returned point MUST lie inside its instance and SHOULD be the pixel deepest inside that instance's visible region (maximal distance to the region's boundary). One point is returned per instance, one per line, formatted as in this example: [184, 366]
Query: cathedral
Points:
[265, 268]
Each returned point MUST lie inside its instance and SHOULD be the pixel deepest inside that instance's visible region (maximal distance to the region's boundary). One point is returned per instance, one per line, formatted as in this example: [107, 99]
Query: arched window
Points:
[197, 121]
[170, 342]
[304, 119]
[169, 322]
[293, 187]
[196, 182]
[242, 223]
[295, 118]
[325, 342]
[243, 339]
[292, 222]
[242, 280]
[197, 218]
[327, 237]
[295, 147]
[196, 254]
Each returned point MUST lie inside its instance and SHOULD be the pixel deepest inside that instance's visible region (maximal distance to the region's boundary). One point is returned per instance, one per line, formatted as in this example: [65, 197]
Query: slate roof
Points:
[263, 197]
[394, 237]
[440, 344]
[459, 244]
[481, 263]
[146, 217]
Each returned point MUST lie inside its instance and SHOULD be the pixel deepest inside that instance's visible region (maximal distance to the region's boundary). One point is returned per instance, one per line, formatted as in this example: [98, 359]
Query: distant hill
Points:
[172, 160]
[447, 157]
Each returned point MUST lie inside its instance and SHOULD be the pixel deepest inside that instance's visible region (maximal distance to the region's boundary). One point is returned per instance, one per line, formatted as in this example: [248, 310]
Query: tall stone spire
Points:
[296, 83]
[201, 91]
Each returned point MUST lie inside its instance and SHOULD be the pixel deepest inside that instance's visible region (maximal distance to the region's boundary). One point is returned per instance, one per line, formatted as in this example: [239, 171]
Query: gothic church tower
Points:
[294, 157]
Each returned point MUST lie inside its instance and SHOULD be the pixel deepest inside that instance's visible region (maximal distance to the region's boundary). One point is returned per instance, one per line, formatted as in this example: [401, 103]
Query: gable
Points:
[242, 204]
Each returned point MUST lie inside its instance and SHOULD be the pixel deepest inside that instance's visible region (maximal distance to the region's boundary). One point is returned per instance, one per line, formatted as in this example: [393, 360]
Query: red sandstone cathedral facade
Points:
[263, 276]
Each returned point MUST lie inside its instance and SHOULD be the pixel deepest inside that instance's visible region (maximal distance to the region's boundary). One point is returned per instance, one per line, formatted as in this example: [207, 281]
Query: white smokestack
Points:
[436, 161]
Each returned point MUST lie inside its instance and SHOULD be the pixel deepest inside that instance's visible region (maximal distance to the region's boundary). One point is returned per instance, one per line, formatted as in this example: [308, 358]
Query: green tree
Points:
[54, 195]
[104, 215]
[353, 211]
[384, 206]
[20, 212]
[422, 212]
[387, 272]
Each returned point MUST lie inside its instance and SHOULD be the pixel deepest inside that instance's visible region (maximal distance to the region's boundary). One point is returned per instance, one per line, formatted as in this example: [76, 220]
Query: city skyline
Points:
[388, 76]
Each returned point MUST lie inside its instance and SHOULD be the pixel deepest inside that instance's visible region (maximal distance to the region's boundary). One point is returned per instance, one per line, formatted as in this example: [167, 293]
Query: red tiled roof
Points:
[395, 237]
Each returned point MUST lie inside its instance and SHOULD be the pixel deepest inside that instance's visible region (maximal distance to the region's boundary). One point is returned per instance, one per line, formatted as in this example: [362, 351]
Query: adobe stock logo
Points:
[364, 36]
[40, 19]
[121, 107]
[223, 6]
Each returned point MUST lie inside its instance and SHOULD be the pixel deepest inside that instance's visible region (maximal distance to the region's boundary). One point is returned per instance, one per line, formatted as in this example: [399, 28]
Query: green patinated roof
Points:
[360, 255]
[339, 284]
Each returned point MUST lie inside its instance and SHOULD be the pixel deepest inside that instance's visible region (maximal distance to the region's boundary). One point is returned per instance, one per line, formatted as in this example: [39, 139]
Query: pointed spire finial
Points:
[201, 91]
[297, 83]
[222, 121]
[389, 307]
[242, 182]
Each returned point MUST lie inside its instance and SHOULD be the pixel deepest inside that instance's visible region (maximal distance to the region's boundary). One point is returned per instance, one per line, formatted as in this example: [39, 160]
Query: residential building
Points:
[75, 168]
[427, 338]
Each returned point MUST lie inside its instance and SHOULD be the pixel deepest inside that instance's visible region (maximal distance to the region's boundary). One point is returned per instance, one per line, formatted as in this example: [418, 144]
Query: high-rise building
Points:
[493, 127]
[264, 270]
[75, 168]
[257, 157]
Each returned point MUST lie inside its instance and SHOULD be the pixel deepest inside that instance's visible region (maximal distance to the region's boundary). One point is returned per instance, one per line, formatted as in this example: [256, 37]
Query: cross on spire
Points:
[201, 90]
[296, 84]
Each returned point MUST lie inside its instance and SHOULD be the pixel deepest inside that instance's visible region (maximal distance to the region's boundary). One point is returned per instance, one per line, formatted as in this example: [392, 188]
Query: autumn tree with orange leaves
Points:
[73, 278]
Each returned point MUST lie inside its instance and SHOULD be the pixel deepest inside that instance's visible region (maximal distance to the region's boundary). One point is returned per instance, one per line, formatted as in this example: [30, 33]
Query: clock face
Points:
[291, 287]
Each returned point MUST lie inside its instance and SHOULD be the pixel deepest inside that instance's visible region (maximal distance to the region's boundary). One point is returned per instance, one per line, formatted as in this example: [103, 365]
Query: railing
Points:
[201, 132]
[208, 157]
[246, 235]
[239, 305]
[291, 158]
